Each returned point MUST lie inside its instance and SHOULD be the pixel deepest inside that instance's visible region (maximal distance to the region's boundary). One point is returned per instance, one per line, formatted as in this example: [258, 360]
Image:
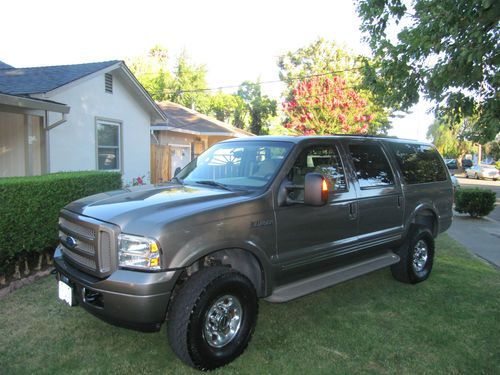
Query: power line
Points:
[261, 83]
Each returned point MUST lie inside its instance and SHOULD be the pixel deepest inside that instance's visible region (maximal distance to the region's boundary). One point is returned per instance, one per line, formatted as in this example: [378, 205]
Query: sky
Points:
[235, 40]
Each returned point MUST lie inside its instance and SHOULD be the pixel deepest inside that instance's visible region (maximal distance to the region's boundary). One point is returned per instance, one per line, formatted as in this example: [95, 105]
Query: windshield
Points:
[237, 164]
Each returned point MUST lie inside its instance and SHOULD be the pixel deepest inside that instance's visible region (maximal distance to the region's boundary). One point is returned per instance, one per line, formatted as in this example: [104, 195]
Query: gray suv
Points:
[261, 217]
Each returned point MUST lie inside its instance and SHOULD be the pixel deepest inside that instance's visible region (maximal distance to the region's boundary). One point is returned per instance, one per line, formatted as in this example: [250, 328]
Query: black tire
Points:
[412, 268]
[188, 315]
[477, 176]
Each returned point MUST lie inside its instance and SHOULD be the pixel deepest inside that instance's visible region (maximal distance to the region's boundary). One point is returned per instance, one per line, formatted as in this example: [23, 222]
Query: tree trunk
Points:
[17, 273]
[48, 259]
[40, 261]
[26, 267]
[2, 280]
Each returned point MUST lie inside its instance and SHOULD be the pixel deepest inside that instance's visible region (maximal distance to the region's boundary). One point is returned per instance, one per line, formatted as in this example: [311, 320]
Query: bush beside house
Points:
[30, 208]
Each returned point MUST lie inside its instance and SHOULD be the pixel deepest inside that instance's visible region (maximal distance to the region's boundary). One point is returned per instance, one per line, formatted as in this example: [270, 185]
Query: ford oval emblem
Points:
[71, 242]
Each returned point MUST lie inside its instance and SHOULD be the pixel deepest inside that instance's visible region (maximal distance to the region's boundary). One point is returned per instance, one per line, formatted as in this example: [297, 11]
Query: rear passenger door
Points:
[380, 199]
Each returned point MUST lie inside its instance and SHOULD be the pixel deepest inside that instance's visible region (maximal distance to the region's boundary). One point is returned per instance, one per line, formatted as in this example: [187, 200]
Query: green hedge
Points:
[476, 202]
[30, 206]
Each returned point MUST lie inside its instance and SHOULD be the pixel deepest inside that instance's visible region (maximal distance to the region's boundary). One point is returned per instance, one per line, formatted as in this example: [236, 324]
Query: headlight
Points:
[138, 252]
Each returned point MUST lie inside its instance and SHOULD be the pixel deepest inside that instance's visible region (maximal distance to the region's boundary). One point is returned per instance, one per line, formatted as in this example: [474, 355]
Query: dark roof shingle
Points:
[5, 66]
[25, 81]
[184, 118]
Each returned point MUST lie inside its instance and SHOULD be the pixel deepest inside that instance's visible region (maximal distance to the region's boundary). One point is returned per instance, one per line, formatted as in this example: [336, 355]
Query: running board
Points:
[312, 284]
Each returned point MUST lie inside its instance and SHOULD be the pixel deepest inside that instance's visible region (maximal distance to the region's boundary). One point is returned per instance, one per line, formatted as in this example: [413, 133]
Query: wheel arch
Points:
[242, 260]
[426, 215]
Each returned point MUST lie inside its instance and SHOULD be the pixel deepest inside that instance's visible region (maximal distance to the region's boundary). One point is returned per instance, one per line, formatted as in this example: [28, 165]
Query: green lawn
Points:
[449, 324]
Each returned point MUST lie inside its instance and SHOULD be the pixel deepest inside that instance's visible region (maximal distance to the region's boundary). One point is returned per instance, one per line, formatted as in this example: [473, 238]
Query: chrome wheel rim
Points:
[420, 255]
[222, 321]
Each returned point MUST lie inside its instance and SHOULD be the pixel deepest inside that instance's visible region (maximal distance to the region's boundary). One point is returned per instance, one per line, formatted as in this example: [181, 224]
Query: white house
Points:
[94, 116]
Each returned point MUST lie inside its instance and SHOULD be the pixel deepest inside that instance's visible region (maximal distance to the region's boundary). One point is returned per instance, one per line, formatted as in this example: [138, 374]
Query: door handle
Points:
[400, 200]
[352, 210]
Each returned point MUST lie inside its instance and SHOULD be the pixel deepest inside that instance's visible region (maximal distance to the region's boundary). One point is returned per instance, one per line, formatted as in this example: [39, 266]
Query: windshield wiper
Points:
[213, 183]
[175, 178]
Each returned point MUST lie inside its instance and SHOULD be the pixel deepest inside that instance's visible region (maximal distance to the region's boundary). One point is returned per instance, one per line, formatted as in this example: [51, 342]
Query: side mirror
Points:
[177, 170]
[315, 190]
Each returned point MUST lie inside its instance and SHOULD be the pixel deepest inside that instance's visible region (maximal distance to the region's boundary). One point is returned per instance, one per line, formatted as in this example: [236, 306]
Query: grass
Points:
[372, 325]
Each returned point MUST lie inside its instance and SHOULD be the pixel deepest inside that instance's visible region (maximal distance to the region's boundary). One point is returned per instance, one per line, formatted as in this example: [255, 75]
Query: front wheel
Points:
[212, 318]
[477, 176]
[416, 256]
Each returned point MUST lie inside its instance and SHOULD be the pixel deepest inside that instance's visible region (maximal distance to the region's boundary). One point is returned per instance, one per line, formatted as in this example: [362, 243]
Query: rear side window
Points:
[419, 163]
[371, 165]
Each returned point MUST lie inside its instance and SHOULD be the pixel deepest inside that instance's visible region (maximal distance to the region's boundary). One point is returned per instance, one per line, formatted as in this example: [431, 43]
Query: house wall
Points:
[73, 144]
[12, 139]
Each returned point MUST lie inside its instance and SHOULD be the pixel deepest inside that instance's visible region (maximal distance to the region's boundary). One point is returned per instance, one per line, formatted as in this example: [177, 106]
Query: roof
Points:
[298, 139]
[185, 120]
[37, 80]
[5, 66]
[32, 103]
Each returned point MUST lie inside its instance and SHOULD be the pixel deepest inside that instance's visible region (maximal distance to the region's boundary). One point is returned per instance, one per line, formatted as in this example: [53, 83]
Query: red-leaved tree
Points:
[322, 105]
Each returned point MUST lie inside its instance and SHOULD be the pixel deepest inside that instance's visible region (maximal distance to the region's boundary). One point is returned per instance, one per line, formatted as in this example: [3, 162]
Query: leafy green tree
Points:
[225, 106]
[448, 50]
[189, 85]
[185, 84]
[450, 141]
[327, 59]
[152, 72]
[260, 107]
[493, 149]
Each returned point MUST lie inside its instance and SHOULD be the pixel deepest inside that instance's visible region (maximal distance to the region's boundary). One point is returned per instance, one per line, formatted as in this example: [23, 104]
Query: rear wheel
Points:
[417, 256]
[212, 318]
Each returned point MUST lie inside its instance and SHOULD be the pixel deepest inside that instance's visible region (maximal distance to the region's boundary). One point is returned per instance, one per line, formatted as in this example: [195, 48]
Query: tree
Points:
[260, 107]
[189, 84]
[185, 85]
[448, 50]
[224, 106]
[324, 58]
[320, 105]
[448, 140]
[152, 72]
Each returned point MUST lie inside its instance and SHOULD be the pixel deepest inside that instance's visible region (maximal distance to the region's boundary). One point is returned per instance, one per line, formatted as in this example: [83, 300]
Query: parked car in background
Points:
[451, 163]
[482, 171]
[467, 163]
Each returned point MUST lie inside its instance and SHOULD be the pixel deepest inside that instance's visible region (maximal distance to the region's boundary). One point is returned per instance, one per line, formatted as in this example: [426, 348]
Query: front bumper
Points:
[137, 300]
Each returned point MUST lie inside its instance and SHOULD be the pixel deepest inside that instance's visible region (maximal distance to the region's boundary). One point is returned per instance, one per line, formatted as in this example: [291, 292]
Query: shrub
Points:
[475, 202]
[497, 164]
[30, 206]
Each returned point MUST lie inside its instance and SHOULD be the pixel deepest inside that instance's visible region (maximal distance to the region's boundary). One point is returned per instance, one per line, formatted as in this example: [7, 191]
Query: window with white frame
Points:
[108, 146]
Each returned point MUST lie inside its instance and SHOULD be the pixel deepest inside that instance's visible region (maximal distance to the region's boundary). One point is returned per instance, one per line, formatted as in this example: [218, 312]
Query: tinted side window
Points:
[419, 163]
[371, 165]
[322, 159]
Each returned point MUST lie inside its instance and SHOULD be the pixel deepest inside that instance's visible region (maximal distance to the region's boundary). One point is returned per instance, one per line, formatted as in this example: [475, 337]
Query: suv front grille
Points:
[87, 243]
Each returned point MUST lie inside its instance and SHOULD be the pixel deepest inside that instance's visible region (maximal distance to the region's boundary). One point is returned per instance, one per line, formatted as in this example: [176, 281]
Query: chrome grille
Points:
[68, 226]
[87, 244]
[84, 261]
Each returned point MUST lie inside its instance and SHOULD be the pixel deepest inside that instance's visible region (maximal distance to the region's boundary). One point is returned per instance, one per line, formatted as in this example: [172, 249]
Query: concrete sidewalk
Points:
[480, 236]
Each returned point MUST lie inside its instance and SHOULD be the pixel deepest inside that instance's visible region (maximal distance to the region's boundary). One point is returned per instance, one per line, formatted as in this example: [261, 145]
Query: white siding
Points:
[73, 144]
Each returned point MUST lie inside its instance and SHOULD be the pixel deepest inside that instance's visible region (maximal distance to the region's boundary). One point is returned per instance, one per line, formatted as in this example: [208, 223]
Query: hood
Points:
[122, 206]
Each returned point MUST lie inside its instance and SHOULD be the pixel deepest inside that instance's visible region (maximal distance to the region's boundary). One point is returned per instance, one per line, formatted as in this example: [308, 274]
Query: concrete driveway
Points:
[480, 236]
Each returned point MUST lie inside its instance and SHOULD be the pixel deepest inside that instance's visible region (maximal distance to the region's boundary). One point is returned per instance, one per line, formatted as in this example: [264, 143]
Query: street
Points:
[486, 184]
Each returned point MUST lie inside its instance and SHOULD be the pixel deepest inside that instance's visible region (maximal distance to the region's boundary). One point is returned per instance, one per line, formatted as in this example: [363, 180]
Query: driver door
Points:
[309, 237]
